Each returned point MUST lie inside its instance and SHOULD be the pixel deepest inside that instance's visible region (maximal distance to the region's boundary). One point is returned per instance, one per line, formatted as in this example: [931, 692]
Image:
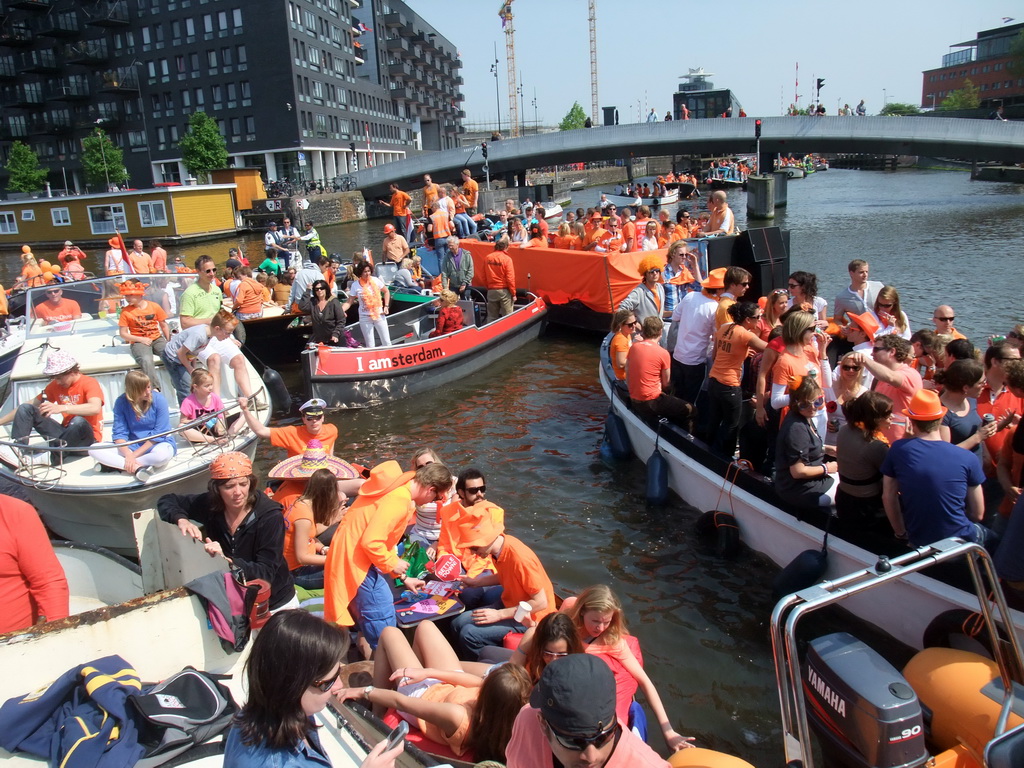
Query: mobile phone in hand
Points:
[397, 735]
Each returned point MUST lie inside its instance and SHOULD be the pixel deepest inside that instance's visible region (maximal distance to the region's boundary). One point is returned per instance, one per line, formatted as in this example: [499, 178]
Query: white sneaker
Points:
[8, 456]
[38, 459]
[143, 474]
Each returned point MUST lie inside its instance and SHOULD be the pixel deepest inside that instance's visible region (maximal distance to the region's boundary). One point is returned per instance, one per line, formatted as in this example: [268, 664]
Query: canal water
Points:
[533, 424]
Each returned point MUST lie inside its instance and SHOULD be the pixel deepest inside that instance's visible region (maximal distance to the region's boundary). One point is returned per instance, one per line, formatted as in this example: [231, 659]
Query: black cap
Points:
[576, 695]
[232, 263]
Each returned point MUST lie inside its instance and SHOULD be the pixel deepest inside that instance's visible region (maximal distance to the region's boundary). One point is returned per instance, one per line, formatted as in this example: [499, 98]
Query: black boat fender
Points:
[279, 396]
[657, 472]
[960, 629]
[616, 437]
[805, 570]
[722, 528]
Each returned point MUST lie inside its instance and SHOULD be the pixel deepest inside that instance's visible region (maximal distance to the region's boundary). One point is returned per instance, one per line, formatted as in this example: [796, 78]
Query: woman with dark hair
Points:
[326, 313]
[960, 349]
[861, 447]
[320, 506]
[802, 473]
[374, 301]
[961, 386]
[276, 727]
[242, 524]
[733, 342]
[929, 355]
[466, 705]
[803, 290]
[554, 637]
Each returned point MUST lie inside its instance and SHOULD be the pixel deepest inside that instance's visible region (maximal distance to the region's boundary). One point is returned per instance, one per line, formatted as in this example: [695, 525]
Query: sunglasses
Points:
[580, 743]
[554, 654]
[1013, 335]
[210, 271]
[325, 685]
[946, 319]
[476, 489]
[654, 270]
[851, 367]
[879, 349]
[884, 306]
[53, 293]
[794, 285]
[313, 416]
[746, 284]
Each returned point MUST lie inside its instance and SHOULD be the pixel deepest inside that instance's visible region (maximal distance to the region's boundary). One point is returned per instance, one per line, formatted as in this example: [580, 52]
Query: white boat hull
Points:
[621, 201]
[780, 537]
[97, 577]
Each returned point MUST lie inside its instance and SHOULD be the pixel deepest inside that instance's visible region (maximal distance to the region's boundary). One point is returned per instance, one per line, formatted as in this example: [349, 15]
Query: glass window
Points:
[246, 92]
[236, 18]
[211, 58]
[8, 223]
[225, 56]
[153, 214]
[208, 22]
[240, 50]
[61, 217]
[104, 219]
[200, 98]
[190, 26]
[222, 20]
[217, 92]
[186, 98]
[250, 124]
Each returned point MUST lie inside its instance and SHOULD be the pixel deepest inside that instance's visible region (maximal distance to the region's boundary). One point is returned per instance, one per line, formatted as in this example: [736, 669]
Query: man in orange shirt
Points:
[159, 256]
[471, 190]
[57, 309]
[441, 229]
[943, 318]
[597, 231]
[648, 372]
[500, 280]
[33, 588]
[362, 559]
[143, 324]
[142, 262]
[430, 194]
[399, 205]
[519, 572]
[69, 248]
[611, 241]
[628, 230]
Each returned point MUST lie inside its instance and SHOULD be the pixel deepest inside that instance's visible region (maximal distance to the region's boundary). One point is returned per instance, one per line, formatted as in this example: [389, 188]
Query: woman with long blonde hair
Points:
[141, 417]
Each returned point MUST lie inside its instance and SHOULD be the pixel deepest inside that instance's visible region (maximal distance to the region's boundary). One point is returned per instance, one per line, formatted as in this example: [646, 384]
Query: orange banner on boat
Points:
[600, 281]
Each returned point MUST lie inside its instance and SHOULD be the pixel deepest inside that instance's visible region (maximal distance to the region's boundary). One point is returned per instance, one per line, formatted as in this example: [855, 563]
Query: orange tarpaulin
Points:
[600, 281]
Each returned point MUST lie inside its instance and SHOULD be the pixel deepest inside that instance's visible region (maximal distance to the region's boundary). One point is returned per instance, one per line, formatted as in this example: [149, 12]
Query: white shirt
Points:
[695, 315]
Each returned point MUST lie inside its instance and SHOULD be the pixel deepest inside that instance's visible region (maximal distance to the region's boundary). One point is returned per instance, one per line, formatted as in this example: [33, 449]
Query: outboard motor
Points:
[861, 708]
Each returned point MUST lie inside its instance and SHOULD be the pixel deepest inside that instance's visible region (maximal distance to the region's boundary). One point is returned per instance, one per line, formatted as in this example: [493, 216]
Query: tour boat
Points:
[685, 189]
[359, 377]
[96, 576]
[700, 478]
[74, 498]
[793, 171]
[726, 178]
[621, 201]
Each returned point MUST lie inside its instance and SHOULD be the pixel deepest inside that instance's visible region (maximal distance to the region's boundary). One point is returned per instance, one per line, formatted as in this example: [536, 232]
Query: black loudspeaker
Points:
[762, 252]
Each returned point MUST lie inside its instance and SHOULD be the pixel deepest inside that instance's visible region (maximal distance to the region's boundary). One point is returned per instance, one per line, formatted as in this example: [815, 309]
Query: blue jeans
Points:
[180, 376]
[477, 597]
[375, 606]
[309, 577]
[475, 637]
[464, 225]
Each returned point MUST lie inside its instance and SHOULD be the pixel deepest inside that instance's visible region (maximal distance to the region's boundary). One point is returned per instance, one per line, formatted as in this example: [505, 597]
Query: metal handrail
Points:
[791, 609]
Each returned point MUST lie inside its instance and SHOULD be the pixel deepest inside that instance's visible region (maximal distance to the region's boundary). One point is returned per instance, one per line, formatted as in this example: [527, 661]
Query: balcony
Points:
[403, 93]
[42, 61]
[394, 19]
[59, 25]
[87, 52]
[16, 36]
[121, 80]
[459, 80]
[461, 114]
[397, 44]
[75, 88]
[27, 95]
[29, 5]
[399, 70]
[109, 13]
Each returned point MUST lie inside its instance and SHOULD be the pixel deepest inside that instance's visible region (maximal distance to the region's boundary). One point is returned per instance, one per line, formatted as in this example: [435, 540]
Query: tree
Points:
[968, 97]
[896, 108]
[102, 160]
[1016, 65]
[574, 118]
[202, 147]
[24, 170]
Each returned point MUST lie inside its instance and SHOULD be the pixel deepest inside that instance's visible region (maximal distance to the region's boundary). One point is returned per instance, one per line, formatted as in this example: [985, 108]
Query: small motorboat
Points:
[76, 500]
[621, 201]
[685, 189]
[361, 377]
[96, 576]
[793, 171]
[726, 178]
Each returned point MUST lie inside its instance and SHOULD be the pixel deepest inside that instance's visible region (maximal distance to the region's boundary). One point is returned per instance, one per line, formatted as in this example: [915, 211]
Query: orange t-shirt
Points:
[249, 296]
[471, 190]
[448, 542]
[142, 263]
[732, 342]
[143, 319]
[788, 366]
[429, 196]
[300, 510]
[522, 576]
[594, 235]
[79, 393]
[565, 243]
[619, 343]
[629, 233]
[609, 242]
[66, 309]
[400, 203]
[294, 438]
[461, 203]
[645, 362]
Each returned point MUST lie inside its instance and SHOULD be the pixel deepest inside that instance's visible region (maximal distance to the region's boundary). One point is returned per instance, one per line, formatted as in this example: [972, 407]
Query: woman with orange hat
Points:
[241, 524]
[648, 298]
[115, 260]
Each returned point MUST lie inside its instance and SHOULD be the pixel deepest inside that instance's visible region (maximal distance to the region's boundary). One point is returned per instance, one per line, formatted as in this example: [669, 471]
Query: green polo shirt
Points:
[195, 302]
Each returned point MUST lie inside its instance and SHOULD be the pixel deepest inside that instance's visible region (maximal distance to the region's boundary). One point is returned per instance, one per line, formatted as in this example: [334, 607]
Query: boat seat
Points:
[1007, 750]
[468, 312]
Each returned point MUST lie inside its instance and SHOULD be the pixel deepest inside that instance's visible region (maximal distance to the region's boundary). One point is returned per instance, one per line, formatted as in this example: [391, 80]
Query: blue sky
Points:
[868, 49]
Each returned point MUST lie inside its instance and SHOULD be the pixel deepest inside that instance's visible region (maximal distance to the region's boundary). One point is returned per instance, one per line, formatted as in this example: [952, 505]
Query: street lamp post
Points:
[536, 120]
[497, 93]
[885, 98]
[522, 106]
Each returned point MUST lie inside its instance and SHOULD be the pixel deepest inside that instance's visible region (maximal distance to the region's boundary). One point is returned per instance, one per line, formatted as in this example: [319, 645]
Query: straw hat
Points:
[925, 406]
[866, 322]
[228, 466]
[59, 362]
[715, 279]
[385, 478]
[477, 527]
[312, 459]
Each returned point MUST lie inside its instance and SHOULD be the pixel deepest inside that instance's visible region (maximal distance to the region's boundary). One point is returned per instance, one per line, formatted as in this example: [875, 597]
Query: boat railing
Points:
[48, 474]
[791, 609]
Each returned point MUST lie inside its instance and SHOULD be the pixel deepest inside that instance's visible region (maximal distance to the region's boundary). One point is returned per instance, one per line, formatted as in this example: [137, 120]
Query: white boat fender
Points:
[721, 528]
[657, 473]
[616, 437]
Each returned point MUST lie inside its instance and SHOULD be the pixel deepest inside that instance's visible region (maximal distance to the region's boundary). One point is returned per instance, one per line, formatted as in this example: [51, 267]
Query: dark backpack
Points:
[184, 710]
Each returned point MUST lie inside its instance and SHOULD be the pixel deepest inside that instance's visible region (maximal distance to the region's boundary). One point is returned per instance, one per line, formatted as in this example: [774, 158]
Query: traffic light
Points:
[821, 83]
[483, 148]
[757, 128]
[352, 146]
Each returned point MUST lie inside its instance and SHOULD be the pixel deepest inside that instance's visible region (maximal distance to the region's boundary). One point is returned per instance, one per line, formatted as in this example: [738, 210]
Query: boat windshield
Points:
[64, 307]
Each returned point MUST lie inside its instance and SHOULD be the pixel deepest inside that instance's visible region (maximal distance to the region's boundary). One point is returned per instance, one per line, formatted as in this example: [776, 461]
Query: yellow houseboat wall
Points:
[170, 214]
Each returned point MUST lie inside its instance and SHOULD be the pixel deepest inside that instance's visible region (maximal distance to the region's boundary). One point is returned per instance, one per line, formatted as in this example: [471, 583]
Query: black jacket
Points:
[257, 546]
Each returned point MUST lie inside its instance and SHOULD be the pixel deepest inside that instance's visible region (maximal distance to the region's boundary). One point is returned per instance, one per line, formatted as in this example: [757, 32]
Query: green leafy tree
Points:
[102, 160]
[898, 108]
[24, 170]
[202, 147]
[968, 97]
[574, 118]
[1016, 65]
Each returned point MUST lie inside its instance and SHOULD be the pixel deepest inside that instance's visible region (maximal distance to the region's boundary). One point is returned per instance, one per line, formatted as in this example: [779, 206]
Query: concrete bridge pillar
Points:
[761, 197]
[781, 188]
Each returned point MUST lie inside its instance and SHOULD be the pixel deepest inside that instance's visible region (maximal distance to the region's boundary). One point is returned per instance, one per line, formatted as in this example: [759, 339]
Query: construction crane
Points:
[505, 12]
[592, 18]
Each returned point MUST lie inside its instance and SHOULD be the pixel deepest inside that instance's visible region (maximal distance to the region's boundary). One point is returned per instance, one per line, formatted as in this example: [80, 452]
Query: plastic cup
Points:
[103, 314]
[522, 611]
